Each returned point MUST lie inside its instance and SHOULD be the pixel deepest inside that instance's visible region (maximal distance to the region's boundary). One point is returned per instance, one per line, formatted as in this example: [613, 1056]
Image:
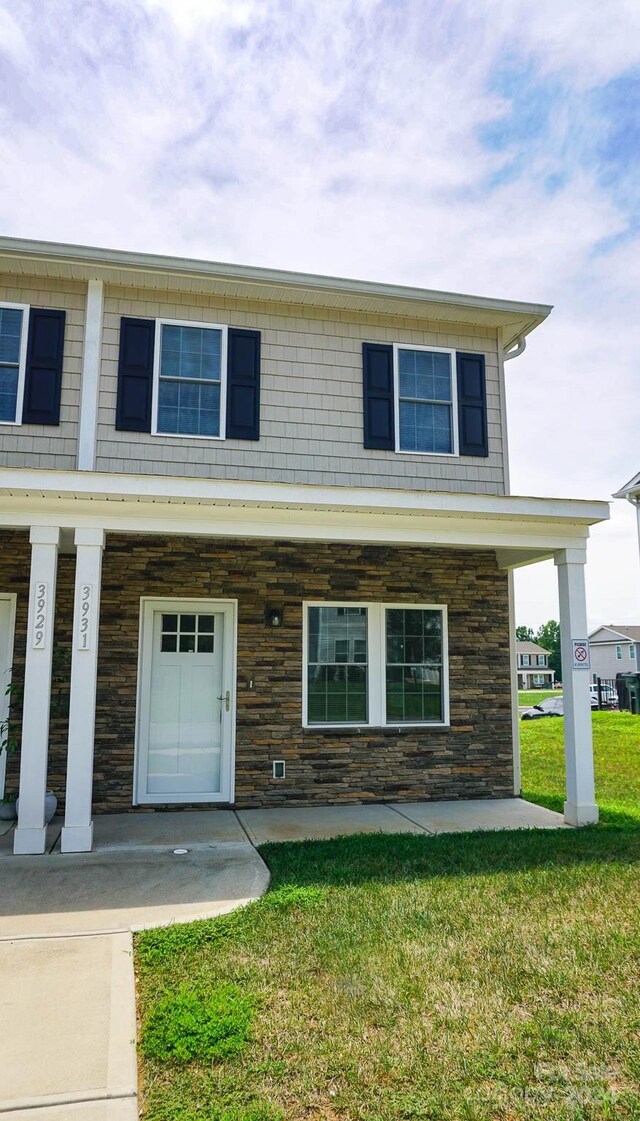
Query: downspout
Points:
[516, 350]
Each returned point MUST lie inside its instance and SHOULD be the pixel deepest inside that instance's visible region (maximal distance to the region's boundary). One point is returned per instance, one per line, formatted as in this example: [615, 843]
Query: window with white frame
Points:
[426, 400]
[189, 383]
[13, 329]
[619, 653]
[375, 665]
[632, 651]
[542, 659]
[526, 659]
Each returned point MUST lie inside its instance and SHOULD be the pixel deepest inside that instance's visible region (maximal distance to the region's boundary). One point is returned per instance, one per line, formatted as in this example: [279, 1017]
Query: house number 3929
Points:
[40, 605]
[84, 617]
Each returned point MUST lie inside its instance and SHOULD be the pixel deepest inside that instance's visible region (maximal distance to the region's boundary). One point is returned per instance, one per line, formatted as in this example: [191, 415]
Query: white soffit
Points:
[147, 270]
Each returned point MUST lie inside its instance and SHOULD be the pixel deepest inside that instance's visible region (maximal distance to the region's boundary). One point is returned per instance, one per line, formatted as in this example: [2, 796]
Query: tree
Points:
[549, 636]
[524, 634]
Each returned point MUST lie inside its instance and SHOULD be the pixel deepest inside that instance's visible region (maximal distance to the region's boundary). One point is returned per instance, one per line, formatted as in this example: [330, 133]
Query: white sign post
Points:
[581, 659]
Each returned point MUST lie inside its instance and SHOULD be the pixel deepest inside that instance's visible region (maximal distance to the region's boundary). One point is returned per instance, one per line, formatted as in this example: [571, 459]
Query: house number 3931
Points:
[84, 617]
[41, 606]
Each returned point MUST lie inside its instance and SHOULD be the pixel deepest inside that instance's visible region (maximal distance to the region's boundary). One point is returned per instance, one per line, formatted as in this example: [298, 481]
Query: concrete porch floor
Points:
[210, 827]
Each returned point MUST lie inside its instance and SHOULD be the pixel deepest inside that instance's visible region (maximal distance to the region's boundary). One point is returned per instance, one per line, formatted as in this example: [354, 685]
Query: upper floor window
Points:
[542, 659]
[426, 401]
[526, 659]
[189, 389]
[632, 651]
[198, 380]
[13, 345]
[619, 653]
[375, 665]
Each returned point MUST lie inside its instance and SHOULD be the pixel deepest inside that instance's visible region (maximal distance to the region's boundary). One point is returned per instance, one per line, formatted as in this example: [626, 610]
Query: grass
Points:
[464, 978]
[530, 697]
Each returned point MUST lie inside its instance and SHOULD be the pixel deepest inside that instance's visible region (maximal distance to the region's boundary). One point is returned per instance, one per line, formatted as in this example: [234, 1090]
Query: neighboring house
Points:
[533, 666]
[614, 649]
[257, 540]
[631, 491]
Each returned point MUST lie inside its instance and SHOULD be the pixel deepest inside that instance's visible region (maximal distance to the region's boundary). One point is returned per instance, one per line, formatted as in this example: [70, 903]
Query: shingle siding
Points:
[311, 426]
[34, 445]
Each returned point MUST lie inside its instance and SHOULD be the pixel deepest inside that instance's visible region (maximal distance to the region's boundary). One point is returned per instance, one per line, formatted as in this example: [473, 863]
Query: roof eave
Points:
[528, 315]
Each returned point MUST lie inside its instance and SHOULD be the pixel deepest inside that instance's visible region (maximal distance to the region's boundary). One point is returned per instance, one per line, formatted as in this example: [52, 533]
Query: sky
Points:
[481, 146]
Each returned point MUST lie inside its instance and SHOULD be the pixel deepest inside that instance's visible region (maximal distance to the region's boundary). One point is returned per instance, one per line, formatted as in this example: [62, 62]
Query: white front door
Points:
[186, 709]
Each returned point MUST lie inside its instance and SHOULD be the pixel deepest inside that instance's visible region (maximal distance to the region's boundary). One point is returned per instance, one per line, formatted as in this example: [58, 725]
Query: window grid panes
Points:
[10, 337]
[187, 634]
[337, 666]
[425, 405]
[414, 665]
[190, 380]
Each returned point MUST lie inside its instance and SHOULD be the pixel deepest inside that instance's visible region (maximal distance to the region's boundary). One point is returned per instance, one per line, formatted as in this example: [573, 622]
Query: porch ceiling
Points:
[521, 530]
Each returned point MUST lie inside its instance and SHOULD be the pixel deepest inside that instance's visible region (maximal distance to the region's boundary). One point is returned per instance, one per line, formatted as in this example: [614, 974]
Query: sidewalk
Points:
[67, 996]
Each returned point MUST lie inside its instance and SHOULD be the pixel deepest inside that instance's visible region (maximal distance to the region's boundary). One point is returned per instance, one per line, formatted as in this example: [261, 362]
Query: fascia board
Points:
[140, 490]
[528, 315]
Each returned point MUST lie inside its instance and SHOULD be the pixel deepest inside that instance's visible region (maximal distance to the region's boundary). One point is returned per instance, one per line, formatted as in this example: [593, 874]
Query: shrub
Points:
[199, 1023]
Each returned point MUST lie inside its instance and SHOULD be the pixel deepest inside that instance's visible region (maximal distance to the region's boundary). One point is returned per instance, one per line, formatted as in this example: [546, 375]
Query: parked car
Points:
[552, 706]
[609, 696]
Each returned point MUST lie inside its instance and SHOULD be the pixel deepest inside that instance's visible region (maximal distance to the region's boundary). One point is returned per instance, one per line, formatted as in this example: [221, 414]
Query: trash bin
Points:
[631, 686]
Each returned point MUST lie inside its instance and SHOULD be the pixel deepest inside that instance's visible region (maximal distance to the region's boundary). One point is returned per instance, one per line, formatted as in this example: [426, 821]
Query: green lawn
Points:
[534, 696]
[486, 977]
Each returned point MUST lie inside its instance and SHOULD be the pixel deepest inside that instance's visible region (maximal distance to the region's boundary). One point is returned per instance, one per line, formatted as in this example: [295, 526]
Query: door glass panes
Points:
[337, 665]
[413, 665]
[425, 401]
[187, 634]
[190, 380]
[10, 335]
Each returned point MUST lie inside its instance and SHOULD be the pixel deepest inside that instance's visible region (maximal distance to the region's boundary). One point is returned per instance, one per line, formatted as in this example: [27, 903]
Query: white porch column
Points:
[30, 834]
[580, 807]
[77, 834]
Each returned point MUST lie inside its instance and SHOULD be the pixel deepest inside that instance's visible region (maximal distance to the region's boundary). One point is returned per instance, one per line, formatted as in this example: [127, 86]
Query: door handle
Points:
[227, 700]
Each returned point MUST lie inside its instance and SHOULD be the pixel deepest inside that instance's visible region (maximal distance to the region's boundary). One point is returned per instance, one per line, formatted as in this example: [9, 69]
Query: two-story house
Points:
[533, 666]
[257, 540]
[614, 649]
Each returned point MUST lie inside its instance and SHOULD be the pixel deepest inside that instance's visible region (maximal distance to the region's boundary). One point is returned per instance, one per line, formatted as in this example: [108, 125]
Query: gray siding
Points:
[311, 409]
[604, 662]
[35, 445]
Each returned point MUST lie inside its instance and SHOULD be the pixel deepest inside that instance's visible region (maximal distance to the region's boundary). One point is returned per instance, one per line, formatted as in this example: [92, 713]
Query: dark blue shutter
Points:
[472, 405]
[379, 427]
[135, 375]
[243, 384]
[43, 375]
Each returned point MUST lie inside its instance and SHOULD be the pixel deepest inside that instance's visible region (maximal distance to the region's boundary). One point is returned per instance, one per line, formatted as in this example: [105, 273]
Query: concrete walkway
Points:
[67, 999]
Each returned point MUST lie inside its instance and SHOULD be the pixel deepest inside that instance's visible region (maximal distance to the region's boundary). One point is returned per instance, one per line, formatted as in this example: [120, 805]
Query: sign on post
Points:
[581, 659]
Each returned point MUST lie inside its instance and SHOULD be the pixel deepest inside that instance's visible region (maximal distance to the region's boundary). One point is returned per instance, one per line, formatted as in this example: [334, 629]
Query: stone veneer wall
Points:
[471, 759]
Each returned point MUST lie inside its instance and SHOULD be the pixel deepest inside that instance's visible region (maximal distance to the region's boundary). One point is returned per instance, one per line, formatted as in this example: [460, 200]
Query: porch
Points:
[241, 548]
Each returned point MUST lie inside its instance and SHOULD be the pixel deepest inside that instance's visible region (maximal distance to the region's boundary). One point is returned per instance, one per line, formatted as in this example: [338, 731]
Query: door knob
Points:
[227, 700]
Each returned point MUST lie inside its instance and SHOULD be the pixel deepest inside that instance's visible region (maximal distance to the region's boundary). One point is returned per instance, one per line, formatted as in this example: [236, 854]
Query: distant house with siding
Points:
[614, 649]
[533, 666]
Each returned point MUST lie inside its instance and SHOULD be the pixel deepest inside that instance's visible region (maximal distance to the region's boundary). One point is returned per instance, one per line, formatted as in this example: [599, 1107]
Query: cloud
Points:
[477, 148]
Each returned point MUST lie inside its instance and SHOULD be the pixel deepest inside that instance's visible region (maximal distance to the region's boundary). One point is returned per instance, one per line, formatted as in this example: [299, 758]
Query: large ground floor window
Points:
[375, 664]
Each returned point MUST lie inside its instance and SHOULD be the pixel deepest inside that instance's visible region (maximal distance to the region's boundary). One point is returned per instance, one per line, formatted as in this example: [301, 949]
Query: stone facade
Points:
[473, 758]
